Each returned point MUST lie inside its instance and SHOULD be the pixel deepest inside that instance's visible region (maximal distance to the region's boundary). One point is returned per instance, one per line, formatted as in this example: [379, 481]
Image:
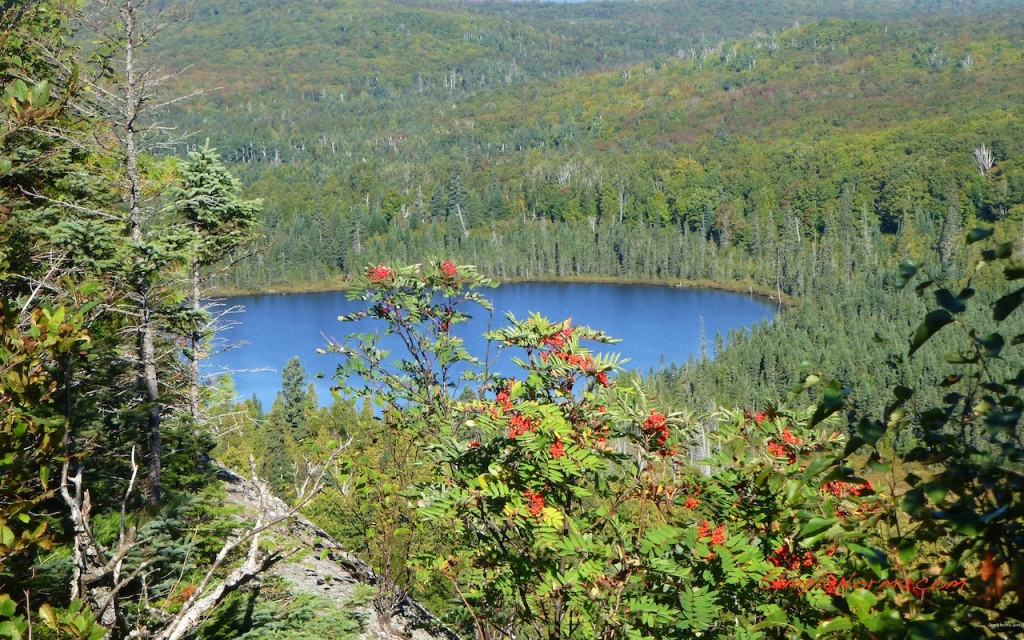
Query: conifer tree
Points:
[220, 222]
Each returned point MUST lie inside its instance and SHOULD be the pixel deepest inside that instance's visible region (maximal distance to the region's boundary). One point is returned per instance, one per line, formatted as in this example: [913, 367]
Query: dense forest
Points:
[787, 152]
[830, 132]
[853, 469]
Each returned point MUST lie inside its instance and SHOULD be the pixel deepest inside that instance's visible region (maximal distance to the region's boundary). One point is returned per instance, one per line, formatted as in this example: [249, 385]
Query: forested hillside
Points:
[793, 152]
[855, 469]
[711, 153]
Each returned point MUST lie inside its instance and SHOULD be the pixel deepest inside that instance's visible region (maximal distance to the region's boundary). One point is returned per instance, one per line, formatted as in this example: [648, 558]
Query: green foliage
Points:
[83, 278]
[272, 613]
[571, 507]
[31, 435]
[74, 622]
[420, 313]
[30, 452]
[207, 198]
[563, 504]
[560, 500]
[960, 513]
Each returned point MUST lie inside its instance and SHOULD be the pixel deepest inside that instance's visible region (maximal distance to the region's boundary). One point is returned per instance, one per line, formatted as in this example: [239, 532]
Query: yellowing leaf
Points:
[552, 516]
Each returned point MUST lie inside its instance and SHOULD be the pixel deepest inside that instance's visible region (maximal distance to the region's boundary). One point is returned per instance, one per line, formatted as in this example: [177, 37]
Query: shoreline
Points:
[344, 284]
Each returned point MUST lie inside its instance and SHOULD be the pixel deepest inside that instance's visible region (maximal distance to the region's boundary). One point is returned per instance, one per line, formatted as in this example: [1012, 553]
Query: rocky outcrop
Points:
[321, 566]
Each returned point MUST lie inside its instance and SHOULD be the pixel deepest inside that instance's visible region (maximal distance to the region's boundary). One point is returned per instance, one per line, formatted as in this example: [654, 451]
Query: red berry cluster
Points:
[583, 361]
[787, 448]
[778, 584]
[534, 502]
[558, 339]
[503, 399]
[760, 417]
[789, 438]
[717, 534]
[557, 449]
[449, 269]
[787, 559]
[779, 450]
[519, 424]
[691, 503]
[843, 490]
[379, 273]
[656, 426]
[657, 430]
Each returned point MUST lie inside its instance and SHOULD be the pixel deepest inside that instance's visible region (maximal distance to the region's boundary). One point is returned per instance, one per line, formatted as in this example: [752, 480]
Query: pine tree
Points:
[220, 223]
[296, 398]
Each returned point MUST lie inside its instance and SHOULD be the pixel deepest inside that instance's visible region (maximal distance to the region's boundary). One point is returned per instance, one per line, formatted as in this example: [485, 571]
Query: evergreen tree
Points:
[220, 222]
[298, 396]
[457, 202]
[494, 202]
[438, 203]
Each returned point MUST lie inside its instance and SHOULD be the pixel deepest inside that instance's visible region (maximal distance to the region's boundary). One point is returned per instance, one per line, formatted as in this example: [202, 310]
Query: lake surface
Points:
[658, 326]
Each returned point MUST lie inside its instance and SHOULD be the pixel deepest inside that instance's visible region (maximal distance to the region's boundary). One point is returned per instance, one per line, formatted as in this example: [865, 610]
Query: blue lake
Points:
[657, 325]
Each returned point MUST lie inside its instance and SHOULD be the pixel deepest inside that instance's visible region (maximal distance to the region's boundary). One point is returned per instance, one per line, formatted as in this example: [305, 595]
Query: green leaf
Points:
[902, 393]
[815, 526]
[907, 549]
[12, 629]
[7, 606]
[907, 271]
[18, 90]
[934, 321]
[935, 490]
[40, 94]
[933, 419]
[659, 537]
[832, 399]
[952, 303]
[817, 465]
[1006, 305]
[861, 601]
[870, 431]
[1013, 273]
[997, 422]
[875, 558]
[834, 625]
[1003, 251]
[48, 615]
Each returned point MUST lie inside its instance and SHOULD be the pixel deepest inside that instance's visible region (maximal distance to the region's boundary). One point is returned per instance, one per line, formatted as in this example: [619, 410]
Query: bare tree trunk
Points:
[196, 339]
[462, 221]
[97, 570]
[128, 13]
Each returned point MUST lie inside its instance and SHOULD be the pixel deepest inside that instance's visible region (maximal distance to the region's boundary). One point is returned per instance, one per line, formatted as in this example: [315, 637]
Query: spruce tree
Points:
[220, 222]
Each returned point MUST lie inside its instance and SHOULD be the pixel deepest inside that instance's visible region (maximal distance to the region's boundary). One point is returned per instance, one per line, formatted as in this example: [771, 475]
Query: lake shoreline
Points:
[655, 326]
[345, 283]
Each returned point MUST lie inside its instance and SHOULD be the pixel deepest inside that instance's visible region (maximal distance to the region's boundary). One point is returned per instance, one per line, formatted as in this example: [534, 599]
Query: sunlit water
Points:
[657, 326]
